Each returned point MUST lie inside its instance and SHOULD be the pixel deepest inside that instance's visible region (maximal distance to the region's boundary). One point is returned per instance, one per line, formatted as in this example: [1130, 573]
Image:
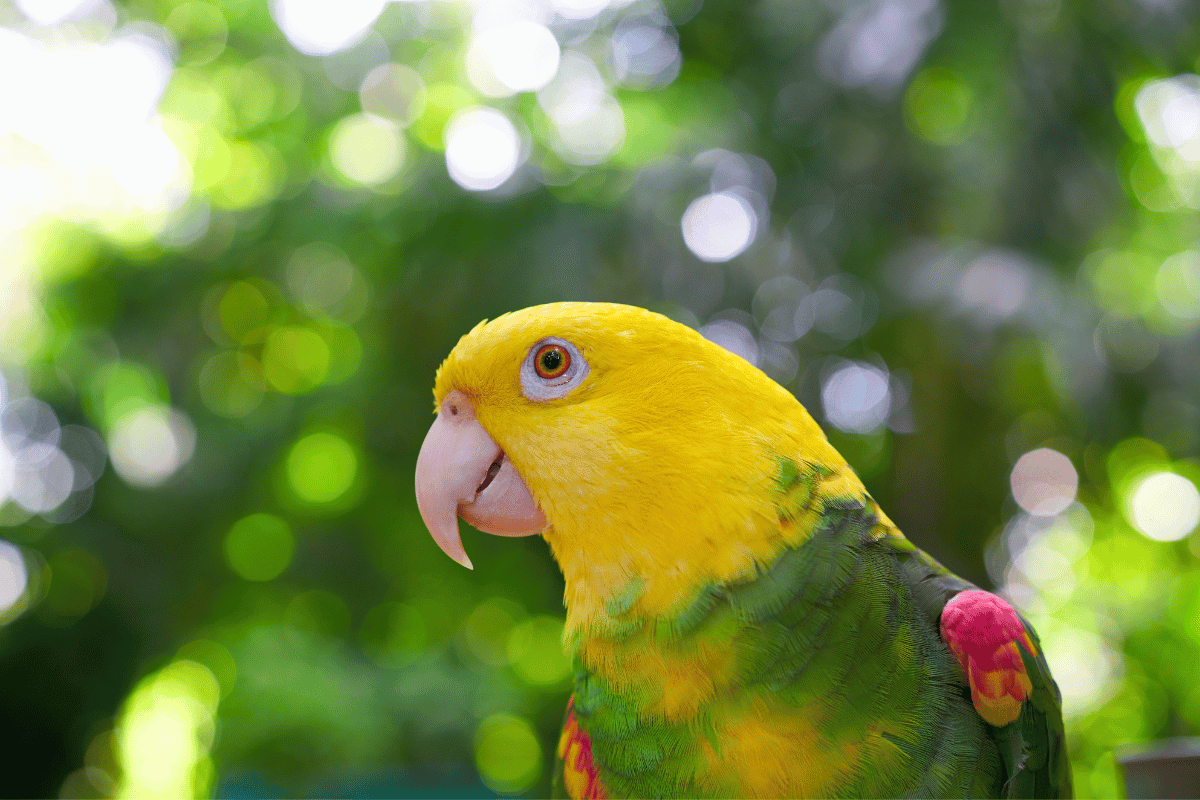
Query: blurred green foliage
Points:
[986, 213]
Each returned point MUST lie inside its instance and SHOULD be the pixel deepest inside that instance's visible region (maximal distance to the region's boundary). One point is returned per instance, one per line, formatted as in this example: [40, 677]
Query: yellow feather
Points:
[768, 753]
[676, 683]
[625, 473]
[642, 463]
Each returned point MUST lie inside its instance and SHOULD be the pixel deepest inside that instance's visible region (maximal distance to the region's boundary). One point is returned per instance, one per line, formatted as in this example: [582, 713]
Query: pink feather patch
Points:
[983, 632]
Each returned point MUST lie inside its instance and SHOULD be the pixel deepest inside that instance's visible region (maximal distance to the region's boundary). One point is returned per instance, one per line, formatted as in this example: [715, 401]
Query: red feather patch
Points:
[983, 632]
[579, 771]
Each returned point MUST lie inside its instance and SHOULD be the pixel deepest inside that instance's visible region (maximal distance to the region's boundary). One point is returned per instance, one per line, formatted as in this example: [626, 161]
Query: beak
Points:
[462, 472]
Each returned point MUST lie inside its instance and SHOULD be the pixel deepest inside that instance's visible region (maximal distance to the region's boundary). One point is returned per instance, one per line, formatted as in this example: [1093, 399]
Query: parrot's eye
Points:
[552, 369]
[551, 361]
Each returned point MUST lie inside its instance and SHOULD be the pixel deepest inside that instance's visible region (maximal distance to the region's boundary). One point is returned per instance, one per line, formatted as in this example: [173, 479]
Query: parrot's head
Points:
[630, 442]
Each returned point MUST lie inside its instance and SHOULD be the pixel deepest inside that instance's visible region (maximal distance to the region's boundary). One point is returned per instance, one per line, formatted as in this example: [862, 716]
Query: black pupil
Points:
[552, 360]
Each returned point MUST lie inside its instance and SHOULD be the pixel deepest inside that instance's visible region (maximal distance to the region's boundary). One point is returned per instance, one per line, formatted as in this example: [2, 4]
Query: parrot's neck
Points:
[611, 587]
[604, 595]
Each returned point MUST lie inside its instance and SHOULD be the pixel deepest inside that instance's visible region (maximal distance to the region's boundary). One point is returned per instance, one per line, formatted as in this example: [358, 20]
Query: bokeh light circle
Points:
[149, 444]
[579, 9]
[1087, 668]
[319, 27]
[718, 227]
[521, 56]
[52, 12]
[483, 148]
[589, 134]
[295, 359]
[165, 730]
[507, 753]
[259, 547]
[321, 468]
[734, 337]
[1169, 110]
[13, 575]
[366, 149]
[1177, 285]
[1044, 482]
[393, 92]
[534, 650]
[857, 397]
[1164, 506]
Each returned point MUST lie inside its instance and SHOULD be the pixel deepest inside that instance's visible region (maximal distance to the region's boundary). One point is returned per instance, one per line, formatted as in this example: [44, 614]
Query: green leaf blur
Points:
[237, 238]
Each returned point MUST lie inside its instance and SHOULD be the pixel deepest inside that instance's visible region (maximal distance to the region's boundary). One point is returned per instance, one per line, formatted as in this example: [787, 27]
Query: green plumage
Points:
[843, 630]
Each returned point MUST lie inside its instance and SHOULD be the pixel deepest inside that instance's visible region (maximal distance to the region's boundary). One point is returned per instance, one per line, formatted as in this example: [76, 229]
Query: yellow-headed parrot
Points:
[744, 620]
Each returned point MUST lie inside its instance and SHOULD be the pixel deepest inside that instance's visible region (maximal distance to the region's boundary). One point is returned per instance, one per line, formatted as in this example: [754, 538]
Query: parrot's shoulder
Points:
[1001, 662]
[1012, 689]
[998, 652]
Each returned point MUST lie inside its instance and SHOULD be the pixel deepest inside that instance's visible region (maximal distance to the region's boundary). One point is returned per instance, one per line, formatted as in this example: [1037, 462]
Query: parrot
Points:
[742, 618]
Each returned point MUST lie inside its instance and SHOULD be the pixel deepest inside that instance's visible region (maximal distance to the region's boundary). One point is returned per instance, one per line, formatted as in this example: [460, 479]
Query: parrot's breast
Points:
[817, 677]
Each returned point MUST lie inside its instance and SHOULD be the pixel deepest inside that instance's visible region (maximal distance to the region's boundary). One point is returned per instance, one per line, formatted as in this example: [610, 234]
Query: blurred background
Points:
[237, 238]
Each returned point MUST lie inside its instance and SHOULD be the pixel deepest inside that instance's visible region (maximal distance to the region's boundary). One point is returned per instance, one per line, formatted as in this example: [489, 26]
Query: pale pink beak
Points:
[461, 472]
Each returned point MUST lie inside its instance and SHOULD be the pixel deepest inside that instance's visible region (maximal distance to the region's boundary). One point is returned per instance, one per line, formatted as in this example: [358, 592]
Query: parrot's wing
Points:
[1002, 663]
[1035, 743]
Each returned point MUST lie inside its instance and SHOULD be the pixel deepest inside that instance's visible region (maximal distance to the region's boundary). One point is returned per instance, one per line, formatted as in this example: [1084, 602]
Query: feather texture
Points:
[744, 620]
[832, 681]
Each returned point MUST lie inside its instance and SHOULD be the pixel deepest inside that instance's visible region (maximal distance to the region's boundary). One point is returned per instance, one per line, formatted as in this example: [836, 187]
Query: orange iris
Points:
[551, 361]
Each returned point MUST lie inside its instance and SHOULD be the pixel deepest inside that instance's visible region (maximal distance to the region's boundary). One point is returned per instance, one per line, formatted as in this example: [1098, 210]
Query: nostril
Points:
[457, 406]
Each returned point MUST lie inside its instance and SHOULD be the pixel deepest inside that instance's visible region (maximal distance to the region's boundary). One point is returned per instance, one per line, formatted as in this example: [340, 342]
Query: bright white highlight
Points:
[321, 27]
[578, 9]
[483, 149]
[13, 577]
[46, 486]
[1169, 110]
[148, 445]
[1164, 506]
[52, 12]
[105, 91]
[94, 152]
[718, 227]
[366, 149]
[520, 56]
[41, 464]
[856, 397]
[1044, 482]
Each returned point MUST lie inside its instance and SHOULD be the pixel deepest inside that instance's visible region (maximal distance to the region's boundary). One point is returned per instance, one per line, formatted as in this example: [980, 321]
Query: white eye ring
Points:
[543, 390]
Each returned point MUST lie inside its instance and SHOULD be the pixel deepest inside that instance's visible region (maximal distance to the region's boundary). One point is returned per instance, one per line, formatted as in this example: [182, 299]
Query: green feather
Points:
[844, 625]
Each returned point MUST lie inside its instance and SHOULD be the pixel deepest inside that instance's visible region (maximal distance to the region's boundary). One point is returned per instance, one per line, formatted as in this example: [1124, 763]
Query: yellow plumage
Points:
[746, 620]
[627, 446]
